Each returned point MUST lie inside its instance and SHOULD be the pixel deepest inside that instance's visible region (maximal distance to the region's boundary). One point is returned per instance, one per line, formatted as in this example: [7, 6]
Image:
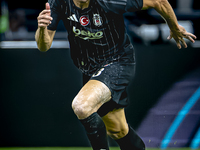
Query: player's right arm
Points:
[43, 36]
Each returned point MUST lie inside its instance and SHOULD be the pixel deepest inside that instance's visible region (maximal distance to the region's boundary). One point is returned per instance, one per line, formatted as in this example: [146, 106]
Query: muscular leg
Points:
[121, 132]
[116, 124]
[85, 105]
[90, 98]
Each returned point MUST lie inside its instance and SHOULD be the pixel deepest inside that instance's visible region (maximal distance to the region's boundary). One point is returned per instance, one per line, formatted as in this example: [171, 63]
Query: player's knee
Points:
[117, 133]
[80, 109]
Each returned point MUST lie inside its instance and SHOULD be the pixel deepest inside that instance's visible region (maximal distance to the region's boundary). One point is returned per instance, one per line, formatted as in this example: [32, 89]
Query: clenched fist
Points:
[44, 18]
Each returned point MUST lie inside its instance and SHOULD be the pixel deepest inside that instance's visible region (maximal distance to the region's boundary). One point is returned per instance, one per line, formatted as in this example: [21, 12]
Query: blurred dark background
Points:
[37, 88]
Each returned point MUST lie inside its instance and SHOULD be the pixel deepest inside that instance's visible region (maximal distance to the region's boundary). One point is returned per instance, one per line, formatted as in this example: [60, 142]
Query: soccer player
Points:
[101, 49]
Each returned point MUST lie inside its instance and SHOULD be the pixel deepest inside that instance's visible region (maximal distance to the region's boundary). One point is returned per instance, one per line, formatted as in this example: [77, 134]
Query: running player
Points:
[101, 49]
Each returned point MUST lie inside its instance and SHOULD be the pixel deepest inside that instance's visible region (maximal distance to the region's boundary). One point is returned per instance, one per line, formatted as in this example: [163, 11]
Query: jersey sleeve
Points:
[121, 6]
[55, 7]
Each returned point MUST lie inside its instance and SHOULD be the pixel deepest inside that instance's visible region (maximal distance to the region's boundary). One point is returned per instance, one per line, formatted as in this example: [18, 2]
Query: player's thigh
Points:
[116, 124]
[90, 98]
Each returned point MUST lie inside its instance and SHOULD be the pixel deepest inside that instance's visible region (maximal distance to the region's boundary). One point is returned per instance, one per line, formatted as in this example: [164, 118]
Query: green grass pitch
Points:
[76, 148]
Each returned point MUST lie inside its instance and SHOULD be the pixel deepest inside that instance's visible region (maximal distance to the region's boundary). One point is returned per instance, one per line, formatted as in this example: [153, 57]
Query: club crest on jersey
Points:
[97, 20]
[84, 20]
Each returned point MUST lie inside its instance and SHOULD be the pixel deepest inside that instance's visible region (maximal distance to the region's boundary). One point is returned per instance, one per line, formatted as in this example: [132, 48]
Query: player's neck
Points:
[82, 4]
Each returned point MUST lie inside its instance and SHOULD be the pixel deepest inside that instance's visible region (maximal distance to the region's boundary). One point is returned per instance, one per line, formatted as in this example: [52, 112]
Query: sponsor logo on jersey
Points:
[97, 20]
[84, 20]
[86, 35]
[73, 18]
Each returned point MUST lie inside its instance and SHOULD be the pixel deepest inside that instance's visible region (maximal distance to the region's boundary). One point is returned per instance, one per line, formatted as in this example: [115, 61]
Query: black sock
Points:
[131, 141]
[96, 132]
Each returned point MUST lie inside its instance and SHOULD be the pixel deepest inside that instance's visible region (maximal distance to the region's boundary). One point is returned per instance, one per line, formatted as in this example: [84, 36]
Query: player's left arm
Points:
[176, 31]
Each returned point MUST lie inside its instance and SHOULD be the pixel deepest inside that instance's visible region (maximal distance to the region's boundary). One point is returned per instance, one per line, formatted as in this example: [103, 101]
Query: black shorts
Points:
[116, 76]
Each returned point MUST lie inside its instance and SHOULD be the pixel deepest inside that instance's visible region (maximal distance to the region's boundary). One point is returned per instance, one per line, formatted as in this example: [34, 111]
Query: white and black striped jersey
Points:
[96, 34]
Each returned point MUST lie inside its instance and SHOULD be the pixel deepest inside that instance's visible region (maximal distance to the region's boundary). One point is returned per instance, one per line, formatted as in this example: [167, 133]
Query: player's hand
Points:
[44, 18]
[179, 34]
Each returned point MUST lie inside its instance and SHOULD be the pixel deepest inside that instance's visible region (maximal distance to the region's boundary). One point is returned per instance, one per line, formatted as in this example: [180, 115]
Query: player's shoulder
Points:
[52, 2]
[57, 4]
[121, 6]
